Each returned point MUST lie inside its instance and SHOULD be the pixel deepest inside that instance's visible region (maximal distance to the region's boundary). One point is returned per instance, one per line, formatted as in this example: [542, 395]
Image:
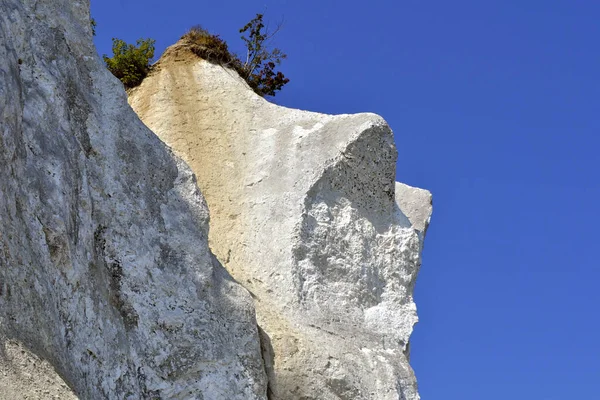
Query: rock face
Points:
[108, 288]
[105, 270]
[306, 214]
[23, 375]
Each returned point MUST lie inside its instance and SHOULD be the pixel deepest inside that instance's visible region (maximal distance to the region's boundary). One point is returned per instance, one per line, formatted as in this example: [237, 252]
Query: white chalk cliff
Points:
[112, 285]
[105, 270]
[306, 214]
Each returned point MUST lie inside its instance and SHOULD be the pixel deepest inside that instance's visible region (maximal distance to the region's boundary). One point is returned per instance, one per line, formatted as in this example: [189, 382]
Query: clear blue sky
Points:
[496, 109]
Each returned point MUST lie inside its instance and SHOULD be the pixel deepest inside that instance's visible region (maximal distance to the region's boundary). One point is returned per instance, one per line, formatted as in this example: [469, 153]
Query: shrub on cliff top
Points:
[258, 68]
[130, 63]
[209, 47]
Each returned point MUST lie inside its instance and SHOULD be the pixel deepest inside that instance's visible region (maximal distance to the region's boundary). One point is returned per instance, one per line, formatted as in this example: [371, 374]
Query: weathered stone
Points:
[105, 270]
[23, 375]
[306, 214]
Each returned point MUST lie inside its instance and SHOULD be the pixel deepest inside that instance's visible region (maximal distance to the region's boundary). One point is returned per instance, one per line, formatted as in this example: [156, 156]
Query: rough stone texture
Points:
[105, 270]
[306, 214]
[25, 376]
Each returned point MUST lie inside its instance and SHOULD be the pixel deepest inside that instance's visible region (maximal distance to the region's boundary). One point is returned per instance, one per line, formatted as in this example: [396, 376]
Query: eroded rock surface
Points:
[306, 213]
[25, 376]
[105, 270]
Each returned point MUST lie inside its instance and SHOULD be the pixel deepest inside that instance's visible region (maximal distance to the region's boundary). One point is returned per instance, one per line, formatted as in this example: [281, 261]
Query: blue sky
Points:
[495, 107]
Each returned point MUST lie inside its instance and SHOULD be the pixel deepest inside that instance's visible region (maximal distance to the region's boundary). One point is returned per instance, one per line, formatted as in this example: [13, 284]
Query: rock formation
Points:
[105, 270]
[108, 287]
[25, 376]
[306, 214]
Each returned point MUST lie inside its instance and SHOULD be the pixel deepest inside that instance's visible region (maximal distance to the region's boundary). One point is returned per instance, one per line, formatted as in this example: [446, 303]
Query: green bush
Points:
[130, 63]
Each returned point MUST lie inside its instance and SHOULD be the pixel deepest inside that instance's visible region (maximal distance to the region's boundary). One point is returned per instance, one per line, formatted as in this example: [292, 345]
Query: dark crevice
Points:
[268, 356]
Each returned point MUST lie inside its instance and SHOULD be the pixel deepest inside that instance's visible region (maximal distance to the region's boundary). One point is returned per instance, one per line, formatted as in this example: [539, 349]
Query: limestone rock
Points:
[306, 214]
[23, 375]
[105, 270]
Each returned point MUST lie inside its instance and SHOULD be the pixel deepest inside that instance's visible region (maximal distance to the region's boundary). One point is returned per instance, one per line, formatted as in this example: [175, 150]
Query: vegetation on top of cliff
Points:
[210, 47]
[130, 63]
[258, 69]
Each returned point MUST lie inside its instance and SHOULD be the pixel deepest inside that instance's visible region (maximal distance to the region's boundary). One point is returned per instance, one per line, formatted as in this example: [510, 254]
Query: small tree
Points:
[258, 69]
[130, 63]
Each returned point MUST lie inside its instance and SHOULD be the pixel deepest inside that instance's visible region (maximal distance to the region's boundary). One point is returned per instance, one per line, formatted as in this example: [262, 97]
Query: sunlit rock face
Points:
[306, 214]
[106, 277]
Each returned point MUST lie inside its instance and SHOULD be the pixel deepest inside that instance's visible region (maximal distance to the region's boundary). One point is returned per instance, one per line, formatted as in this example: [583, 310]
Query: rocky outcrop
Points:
[105, 270]
[306, 214]
[108, 288]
